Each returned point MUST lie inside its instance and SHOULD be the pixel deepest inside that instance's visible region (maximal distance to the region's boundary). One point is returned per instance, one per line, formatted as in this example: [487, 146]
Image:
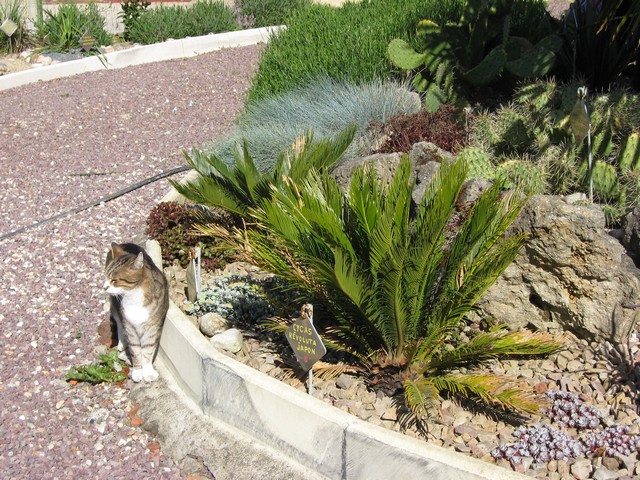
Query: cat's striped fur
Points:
[139, 296]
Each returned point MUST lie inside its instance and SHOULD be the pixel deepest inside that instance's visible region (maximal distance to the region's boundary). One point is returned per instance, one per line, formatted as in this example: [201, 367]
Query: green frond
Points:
[420, 394]
[493, 390]
[495, 344]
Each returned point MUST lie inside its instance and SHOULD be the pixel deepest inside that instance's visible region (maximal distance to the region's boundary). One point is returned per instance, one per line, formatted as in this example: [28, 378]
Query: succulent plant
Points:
[523, 174]
[478, 49]
[513, 130]
[236, 298]
[536, 125]
[629, 154]
[561, 165]
[479, 162]
[605, 180]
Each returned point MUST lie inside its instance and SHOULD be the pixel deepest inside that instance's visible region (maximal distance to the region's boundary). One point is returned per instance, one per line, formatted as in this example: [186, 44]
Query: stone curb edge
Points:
[169, 50]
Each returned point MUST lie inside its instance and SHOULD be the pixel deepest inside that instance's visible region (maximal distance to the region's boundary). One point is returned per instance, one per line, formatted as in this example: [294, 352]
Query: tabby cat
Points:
[139, 296]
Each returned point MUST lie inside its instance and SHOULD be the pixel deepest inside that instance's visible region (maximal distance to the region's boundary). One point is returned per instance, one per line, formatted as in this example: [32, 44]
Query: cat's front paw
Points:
[149, 373]
[136, 374]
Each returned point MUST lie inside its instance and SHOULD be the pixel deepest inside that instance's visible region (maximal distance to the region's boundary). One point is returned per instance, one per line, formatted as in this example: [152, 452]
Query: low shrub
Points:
[265, 13]
[131, 11]
[326, 107]
[440, 128]
[61, 31]
[162, 23]
[347, 43]
[16, 11]
[171, 224]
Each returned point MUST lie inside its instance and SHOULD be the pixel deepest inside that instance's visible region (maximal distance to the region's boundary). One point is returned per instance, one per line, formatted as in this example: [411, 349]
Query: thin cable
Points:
[105, 199]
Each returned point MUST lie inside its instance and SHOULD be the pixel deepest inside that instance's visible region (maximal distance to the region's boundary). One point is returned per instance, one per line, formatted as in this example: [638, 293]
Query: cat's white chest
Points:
[133, 307]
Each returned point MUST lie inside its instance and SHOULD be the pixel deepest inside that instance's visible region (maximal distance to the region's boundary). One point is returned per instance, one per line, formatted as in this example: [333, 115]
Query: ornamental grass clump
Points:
[324, 106]
[155, 25]
[395, 285]
[61, 31]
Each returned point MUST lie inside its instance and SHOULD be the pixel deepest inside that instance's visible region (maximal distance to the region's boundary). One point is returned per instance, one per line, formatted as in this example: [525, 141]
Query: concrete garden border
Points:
[169, 50]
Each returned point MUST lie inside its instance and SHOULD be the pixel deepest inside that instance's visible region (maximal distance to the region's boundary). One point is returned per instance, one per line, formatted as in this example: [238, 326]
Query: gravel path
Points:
[64, 143]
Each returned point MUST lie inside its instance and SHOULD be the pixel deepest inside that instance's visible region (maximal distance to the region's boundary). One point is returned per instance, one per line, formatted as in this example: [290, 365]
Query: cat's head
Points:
[124, 269]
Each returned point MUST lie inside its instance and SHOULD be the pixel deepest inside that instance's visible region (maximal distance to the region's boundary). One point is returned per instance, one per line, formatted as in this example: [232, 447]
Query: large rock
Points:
[570, 275]
[631, 234]
[425, 158]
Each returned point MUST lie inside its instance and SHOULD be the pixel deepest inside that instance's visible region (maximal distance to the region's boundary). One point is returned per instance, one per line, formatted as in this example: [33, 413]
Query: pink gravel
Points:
[124, 126]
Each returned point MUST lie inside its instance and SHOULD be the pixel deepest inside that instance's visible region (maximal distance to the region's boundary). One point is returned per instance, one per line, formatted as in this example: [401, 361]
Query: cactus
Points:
[539, 96]
[538, 60]
[629, 155]
[479, 162]
[602, 143]
[463, 48]
[521, 173]
[512, 129]
[488, 69]
[562, 170]
[605, 180]
[483, 131]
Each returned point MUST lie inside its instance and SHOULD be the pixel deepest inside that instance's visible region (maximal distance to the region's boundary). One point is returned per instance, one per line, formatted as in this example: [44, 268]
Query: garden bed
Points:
[585, 369]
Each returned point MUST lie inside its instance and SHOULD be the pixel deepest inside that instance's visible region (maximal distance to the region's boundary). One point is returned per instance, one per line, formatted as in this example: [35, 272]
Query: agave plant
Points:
[397, 285]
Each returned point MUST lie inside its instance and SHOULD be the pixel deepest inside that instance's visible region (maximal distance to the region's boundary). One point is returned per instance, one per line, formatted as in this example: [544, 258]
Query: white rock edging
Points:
[169, 50]
[305, 429]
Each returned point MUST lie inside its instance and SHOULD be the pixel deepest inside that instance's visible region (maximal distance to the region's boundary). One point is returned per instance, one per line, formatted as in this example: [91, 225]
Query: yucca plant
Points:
[397, 285]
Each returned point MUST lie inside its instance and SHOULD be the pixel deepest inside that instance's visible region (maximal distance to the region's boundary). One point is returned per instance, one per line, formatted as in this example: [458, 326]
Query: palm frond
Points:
[495, 344]
[493, 390]
[419, 395]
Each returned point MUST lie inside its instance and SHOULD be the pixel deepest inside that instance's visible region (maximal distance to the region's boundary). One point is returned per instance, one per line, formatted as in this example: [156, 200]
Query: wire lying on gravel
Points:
[93, 203]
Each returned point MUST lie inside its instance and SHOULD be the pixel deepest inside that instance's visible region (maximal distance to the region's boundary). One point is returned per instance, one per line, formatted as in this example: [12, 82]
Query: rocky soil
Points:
[598, 374]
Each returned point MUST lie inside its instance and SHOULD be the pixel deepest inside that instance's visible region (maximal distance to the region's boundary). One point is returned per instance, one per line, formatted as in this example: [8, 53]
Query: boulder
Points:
[425, 157]
[631, 233]
[384, 164]
[229, 340]
[569, 275]
[212, 323]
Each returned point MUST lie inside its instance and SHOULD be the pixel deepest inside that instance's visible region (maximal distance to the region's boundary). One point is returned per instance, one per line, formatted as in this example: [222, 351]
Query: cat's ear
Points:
[116, 250]
[139, 262]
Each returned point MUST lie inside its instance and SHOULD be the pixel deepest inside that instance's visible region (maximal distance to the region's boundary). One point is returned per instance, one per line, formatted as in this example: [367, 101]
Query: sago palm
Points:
[397, 284]
[241, 186]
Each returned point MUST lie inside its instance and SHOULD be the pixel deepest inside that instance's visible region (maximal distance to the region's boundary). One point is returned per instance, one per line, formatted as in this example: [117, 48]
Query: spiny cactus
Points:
[479, 162]
[482, 130]
[605, 180]
[602, 143]
[478, 48]
[513, 131]
[539, 96]
[561, 166]
[629, 155]
[521, 173]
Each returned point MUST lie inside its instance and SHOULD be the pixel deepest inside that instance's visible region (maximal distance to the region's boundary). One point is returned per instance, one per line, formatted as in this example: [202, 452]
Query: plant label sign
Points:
[306, 343]
[87, 41]
[9, 27]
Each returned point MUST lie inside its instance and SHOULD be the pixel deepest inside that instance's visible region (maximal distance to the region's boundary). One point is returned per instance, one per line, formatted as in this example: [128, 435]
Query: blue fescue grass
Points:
[325, 107]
